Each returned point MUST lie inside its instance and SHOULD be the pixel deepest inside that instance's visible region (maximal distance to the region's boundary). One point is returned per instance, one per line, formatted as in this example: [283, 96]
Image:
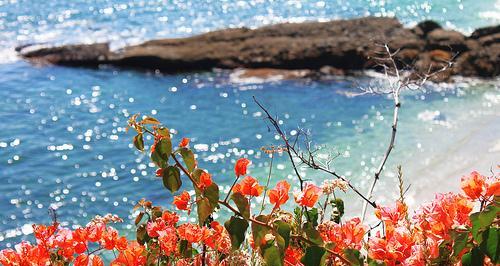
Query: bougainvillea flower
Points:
[216, 237]
[205, 180]
[279, 195]
[184, 142]
[155, 226]
[392, 250]
[9, 257]
[170, 218]
[96, 260]
[392, 214]
[353, 232]
[309, 196]
[473, 185]
[348, 235]
[168, 240]
[133, 255]
[192, 233]
[240, 168]
[447, 211]
[95, 231]
[43, 233]
[84, 259]
[493, 189]
[293, 256]
[159, 172]
[249, 186]
[182, 201]
[80, 240]
[81, 260]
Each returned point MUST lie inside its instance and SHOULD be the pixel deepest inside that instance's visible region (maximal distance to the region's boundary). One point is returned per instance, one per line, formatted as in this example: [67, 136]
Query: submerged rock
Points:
[322, 47]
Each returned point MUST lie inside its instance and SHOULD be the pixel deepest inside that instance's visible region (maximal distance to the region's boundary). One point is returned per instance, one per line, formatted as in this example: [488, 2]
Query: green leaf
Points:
[338, 212]
[272, 256]
[212, 193]
[242, 204]
[372, 262]
[158, 160]
[138, 219]
[164, 148]
[259, 231]
[490, 245]
[150, 121]
[314, 256]
[354, 257]
[142, 234]
[188, 157]
[460, 240]
[164, 132]
[312, 216]
[205, 208]
[185, 249]
[236, 227]
[312, 234]
[139, 142]
[283, 230]
[172, 178]
[473, 258]
[482, 220]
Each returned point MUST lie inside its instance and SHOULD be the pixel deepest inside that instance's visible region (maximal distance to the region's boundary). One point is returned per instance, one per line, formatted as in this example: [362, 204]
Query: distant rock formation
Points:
[321, 48]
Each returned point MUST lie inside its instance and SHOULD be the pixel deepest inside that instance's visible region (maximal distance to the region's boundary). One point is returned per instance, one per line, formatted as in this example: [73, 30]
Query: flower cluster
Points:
[58, 245]
[446, 231]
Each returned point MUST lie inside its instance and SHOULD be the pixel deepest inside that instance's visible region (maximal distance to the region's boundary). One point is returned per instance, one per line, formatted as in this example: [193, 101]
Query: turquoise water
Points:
[62, 139]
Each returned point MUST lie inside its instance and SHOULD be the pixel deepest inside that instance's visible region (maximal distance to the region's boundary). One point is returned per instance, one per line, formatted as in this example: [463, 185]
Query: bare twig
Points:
[410, 81]
[309, 161]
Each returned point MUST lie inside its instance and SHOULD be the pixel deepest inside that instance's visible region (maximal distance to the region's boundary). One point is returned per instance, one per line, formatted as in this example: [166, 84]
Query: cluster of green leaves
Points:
[485, 234]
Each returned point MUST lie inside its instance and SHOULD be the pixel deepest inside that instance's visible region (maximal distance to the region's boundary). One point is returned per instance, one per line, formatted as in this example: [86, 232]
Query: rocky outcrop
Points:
[333, 47]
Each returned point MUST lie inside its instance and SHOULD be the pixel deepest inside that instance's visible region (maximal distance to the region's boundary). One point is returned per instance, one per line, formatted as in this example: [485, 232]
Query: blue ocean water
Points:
[62, 130]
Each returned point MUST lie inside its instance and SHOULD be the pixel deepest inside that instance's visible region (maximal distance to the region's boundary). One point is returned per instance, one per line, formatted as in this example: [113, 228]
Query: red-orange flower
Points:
[182, 201]
[133, 255]
[168, 240]
[154, 227]
[493, 189]
[84, 259]
[309, 196]
[205, 180]
[159, 172]
[190, 232]
[81, 260]
[170, 218]
[293, 256]
[392, 214]
[392, 250]
[217, 237]
[249, 186]
[279, 195]
[240, 168]
[473, 185]
[184, 142]
[348, 235]
[95, 231]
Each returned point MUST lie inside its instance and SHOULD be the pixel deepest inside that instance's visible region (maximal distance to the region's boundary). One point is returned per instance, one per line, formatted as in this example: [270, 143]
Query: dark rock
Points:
[478, 33]
[71, 55]
[426, 26]
[446, 40]
[334, 47]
